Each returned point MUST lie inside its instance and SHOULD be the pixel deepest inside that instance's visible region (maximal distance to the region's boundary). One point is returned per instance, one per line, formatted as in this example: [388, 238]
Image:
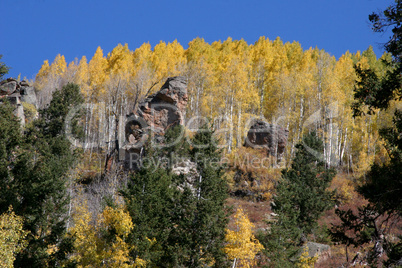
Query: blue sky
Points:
[35, 30]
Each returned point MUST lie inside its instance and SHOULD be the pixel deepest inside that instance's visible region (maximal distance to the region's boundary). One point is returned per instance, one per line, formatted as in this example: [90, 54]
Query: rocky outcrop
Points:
[15, 100]
[18, 92]
[8, 87]
[165, 108]
[154, 116]
[188, 170]
[28, 94]
[321, 251]
[271, 137]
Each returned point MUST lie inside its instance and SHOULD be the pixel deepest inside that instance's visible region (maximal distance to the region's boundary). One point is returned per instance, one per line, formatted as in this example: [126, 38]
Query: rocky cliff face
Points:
[154, 116]
[271, 137]
[25, 92]
[18, 92]
[165, 108]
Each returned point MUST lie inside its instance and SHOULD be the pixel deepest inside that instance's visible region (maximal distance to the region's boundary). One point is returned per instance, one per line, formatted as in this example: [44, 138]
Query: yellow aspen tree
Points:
[199, 73]
[42, 76]
[59, 66]
[346, 77]
[12, 237]
[143, 76]
[102, 243]
[82, 77]
[120, 62]
[142, 55]
[85, 237]
[69, 74]
[234, 91]
[276, 68]
[52, 81]
[261, 57]
[97, 72]
[227, 68]
[246, 94]
[116, 251]
[212, 102]
[159, 61]
[294, 53]
[242, 246]
[168, 60]
[372, 59]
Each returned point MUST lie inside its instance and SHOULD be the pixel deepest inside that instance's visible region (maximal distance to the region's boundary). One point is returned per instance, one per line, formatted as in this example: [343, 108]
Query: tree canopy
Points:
[34, 168]
[381, 185]
[3, 68]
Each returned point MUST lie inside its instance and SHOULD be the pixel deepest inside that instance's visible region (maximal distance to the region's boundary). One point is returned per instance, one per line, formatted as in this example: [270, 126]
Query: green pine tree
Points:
[149, 202]
[302, 196]
[200, 212]
[178, 225]
[33, 175]
[3, 68]
[382, 185]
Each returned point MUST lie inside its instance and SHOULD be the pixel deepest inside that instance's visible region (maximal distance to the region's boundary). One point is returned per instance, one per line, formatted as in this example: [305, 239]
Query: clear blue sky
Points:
[32, 31]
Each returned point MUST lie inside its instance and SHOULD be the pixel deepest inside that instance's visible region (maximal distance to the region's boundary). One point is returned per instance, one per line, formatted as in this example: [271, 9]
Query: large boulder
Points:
[321, 251]
[271, 137]
[8, 86]
[154, 116]
[166, 107]
[16, 93]
[28, 94]
[188, 169]
[315, 250]
[15, 101]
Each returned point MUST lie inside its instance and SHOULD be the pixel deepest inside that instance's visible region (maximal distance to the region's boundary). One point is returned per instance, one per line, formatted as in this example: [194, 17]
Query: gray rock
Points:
[271, 137]
[24, 83]
[188, 169]
[321, 251]
[8, 87]
[15, 100]
[28, 94]
[154, 116]
[166, 107]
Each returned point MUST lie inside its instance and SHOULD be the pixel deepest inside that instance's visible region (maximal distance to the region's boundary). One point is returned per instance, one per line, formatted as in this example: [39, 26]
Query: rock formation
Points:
[25, 92]
[18, 92]
[322, 251]
[28, 94]
[188, 169]
[154, 116]
[165, 108]
[271, 137]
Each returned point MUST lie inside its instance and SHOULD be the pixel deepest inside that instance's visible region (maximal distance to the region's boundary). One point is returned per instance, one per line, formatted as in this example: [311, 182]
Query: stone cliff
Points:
[17, 93]
[154, 116]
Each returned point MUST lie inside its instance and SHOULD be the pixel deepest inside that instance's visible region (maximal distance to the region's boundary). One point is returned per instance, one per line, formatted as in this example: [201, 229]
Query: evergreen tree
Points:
[382, 185]
[177, 225]
[200, 212]
[383, 182]
[149, 202]
[33, 174]
[3, 68]
[301, 198]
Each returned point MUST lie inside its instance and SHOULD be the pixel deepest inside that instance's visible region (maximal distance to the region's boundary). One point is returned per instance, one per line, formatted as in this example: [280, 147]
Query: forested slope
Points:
[231, 82]
[86, 210]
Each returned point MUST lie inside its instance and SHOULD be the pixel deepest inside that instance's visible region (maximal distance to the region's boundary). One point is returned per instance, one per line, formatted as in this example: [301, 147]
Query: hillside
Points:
[267, 127]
